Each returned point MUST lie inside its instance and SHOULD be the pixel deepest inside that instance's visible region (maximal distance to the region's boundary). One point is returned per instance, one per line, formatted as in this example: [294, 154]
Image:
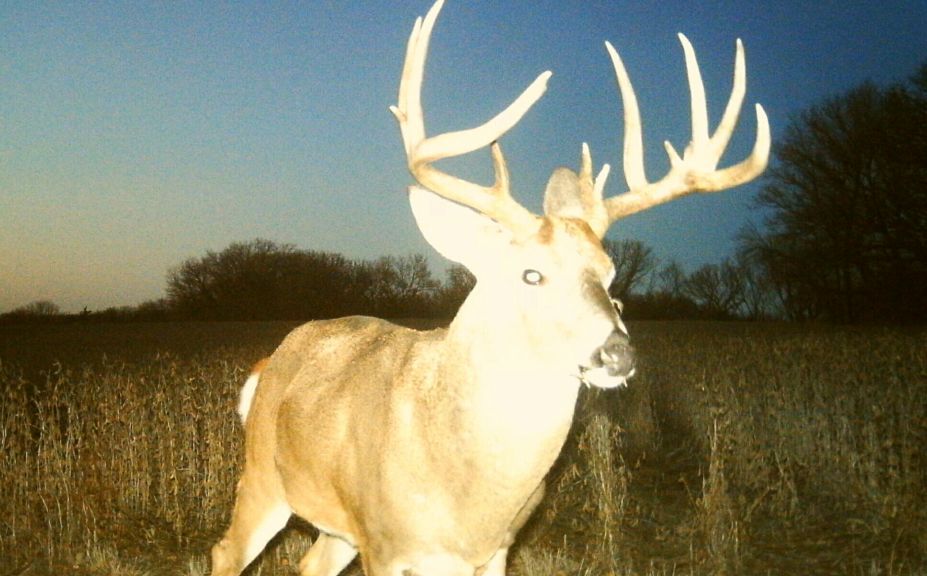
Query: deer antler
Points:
[494, 201]
[697, 170]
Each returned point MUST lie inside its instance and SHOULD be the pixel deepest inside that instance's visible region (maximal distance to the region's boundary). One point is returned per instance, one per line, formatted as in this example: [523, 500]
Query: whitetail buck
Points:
[427, 451]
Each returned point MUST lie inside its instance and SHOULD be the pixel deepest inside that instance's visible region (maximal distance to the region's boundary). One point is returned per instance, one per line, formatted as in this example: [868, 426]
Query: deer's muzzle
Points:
[611, 364]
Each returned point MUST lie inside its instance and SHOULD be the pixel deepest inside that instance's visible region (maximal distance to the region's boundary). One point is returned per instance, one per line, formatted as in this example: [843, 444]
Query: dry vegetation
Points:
[738, 449]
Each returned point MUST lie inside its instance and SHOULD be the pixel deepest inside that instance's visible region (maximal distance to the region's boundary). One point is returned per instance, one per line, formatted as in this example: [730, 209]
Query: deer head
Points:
[550, 270]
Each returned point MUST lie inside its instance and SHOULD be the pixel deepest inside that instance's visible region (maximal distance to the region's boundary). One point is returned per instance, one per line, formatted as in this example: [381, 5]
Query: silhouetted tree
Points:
[672, 279]
[457, 285]
[846, 235]
[264, 280]
[664, 298]
[718, 289]
[759, 297]
[633, 260]
[39, 310]
[401, 286]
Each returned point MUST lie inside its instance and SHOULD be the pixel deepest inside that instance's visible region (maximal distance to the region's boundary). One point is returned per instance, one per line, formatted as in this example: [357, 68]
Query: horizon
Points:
[137, 136]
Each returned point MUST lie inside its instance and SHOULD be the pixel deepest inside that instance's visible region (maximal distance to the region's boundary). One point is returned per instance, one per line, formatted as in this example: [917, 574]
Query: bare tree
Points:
[672, 279]
[457, 286]
[717, 289]
[846, 236]
[37, 309]
[633, 260]
[759, 294]
[413, 277]
[665, 297]
[264, 280]
[401, 285]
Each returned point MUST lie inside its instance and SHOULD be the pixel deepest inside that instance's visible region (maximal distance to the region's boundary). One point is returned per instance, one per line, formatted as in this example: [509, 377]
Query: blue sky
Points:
[136, 135]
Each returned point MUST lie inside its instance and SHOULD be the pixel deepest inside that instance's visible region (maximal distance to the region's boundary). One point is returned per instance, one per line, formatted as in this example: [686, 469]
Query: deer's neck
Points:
[509, 403]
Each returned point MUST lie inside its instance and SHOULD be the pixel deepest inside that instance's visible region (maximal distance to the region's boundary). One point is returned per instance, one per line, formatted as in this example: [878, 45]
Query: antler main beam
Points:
[696, 170]
[494, 201]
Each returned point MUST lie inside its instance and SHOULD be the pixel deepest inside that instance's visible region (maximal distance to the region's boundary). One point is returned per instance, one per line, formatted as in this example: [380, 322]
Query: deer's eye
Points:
[532, 277]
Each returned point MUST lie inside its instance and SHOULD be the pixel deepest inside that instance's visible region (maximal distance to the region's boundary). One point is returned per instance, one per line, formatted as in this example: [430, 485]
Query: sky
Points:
[136, 135]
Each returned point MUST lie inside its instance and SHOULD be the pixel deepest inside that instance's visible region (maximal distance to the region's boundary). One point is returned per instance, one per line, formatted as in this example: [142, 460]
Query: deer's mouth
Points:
[603, 377]
[611, 365]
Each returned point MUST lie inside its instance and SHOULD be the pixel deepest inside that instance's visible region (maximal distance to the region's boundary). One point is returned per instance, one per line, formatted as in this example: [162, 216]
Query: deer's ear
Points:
[562, 195]
[572, 195]
[457, 232]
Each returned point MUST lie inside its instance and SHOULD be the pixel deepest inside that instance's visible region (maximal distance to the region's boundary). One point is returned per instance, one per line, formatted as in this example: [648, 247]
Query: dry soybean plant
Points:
[137, 447]
[737, 449]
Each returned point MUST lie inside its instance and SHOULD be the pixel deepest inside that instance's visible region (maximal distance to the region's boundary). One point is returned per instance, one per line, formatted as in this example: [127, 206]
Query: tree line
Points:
[269, 281]
[264, 280]
[843, 238]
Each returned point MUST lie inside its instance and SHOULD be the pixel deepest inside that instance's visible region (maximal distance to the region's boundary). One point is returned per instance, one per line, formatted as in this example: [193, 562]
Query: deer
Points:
[425, 452]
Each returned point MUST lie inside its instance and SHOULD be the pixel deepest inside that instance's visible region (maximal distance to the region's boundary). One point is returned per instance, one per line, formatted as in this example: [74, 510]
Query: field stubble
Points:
[738, 449]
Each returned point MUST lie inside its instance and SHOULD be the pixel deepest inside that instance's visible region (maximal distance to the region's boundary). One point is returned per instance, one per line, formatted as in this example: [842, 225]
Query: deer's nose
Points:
[616, 355]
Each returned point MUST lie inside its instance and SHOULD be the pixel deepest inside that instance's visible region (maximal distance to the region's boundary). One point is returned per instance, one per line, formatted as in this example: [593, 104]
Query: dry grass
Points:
[739, 449]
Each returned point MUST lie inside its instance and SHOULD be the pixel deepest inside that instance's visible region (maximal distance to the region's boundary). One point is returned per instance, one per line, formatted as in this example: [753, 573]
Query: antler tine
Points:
[732, 111]
[696, 170]
[494, 201]
[409, 109]
[699, 103]
[633, 137]
[590, 190]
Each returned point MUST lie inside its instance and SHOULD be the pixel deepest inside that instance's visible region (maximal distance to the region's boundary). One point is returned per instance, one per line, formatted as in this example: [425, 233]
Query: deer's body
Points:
[421, 448]
[426, 452]
[334, 426]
